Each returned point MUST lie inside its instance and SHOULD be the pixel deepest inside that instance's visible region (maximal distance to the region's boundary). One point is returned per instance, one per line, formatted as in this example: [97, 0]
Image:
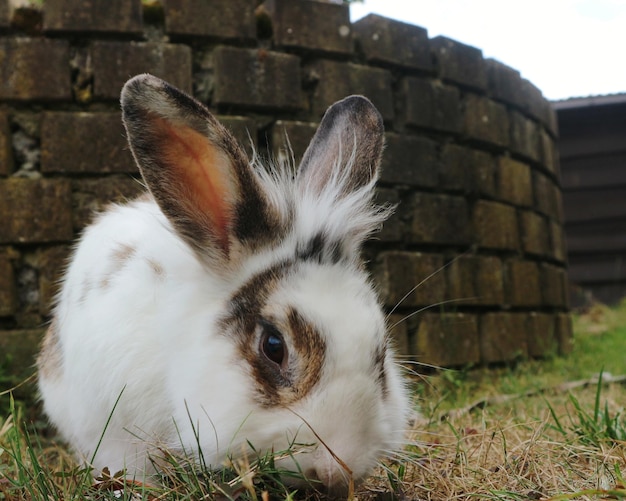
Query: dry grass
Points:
[543, 441]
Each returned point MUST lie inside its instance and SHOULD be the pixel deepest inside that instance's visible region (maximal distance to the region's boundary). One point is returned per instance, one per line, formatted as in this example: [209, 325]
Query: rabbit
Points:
[228, 305]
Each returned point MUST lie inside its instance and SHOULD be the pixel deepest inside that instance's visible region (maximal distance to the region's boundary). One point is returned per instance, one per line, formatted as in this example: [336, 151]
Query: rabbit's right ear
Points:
[195, 170]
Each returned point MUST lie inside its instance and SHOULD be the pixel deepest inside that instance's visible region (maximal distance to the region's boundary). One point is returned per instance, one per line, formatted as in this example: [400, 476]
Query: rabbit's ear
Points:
[346, 150]
[195, 170]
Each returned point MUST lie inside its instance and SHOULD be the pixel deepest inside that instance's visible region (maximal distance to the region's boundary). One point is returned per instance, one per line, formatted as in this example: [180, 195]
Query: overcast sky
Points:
[567, 48]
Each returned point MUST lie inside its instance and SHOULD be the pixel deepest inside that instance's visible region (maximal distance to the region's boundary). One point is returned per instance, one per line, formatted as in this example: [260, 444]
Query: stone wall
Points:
[470, 154]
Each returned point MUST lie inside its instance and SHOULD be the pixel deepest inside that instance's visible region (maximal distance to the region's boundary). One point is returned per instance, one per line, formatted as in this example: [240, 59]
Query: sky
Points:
[567, 48]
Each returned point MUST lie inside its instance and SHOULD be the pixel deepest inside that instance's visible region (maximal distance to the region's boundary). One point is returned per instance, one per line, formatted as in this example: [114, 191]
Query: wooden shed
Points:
[592, 147]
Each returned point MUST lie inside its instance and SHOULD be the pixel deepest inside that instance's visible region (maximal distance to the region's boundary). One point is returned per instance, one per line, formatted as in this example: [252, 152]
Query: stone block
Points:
[468, 170]
[414, 275]
[291, 139]
[495, 225]
[91, 196]
[541, 340]
[8, 292]
[220, 19]
[311, 26]
[504, 83]
[431, 105]
[447, 340]
[244, 129]
[439, 219]
[564, 333]
[514, 183]
[524, 136]
[546, 196]
[533, 102]
[393, 229]
[503, 337]
[485, 120]
[18, 350]
[475, 280]
[535, 234]
[120, 17]
[35, 211]
[113, 63]
[84, 142]
[334, 81]
[460, 63]
[554, 283]
[410, 161]
[522, 284]
[6, 151]
[548, 153]
[34, 69]
[51, 264]
[389, 42]
[5, 20]
[557, 240]
[256, 79]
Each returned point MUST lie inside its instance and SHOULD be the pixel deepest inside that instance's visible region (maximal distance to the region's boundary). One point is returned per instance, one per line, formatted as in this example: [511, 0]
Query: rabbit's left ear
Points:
[195, 170]
[346, 149]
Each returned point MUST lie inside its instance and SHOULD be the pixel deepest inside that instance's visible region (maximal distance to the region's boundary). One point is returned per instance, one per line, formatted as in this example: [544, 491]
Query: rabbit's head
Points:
[311, 360]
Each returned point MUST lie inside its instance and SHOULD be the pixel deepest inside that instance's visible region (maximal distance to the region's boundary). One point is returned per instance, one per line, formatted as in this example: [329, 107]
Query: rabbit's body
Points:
[226, 308]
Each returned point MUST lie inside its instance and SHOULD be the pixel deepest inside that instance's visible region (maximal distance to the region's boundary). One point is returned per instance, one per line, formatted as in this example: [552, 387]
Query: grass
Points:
[509, 433]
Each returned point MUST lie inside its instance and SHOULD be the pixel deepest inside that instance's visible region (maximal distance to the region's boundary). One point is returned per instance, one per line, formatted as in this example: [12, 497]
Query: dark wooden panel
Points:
[595, 171]
[608, 203]
[596, 269]
[596, 236]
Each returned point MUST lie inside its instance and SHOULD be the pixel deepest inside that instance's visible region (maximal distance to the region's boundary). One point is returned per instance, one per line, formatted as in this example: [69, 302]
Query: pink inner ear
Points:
[202, 176]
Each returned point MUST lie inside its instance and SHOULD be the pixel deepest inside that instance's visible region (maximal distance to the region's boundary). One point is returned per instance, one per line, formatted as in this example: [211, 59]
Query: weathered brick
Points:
[468, 170]
[557, 240]
[393, 229]
[291, 138]
[18, 349]
[553, 285]
[486, 120]
[541, 334]
[399, 334]
[399, 272]
[503, 337]
[6, 152]
[115, 62]
[460, 63]
[84, 142]
[505, 83]
[335, 80]
[93, 16]
[409, 161]
[446, 340]
[34, 69]
[495, 225]
[514, 184]
[244, 130]
[546, 196]
[51, 263]
[548, 153]
[440, 219]
[307, 25]
[564, 333]
[534, 233]
[533, 102]
[35, 210]
[8, 293]
[524, 136]
[4, 15]
[523, 284]
[92, 195]
[475, 280]
[431, 105]
[256, 78]
[390, 42]
[215, 19]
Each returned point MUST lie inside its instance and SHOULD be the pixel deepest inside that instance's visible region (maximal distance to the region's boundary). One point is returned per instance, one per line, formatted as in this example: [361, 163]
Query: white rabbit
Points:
[229, 304]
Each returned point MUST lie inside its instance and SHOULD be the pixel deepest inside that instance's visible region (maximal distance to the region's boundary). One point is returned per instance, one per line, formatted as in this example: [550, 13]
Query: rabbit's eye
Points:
[273, 345]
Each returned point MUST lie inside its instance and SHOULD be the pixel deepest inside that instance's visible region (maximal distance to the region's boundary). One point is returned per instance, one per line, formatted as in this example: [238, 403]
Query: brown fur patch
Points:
[157, 268]
[250, 308]
[50, 358]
